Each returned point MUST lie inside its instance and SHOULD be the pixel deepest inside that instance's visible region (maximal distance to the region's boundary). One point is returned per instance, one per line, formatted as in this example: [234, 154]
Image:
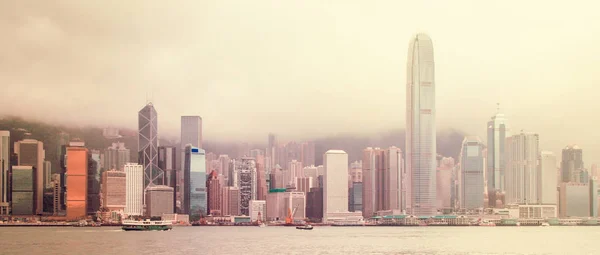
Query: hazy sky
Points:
[303, 67]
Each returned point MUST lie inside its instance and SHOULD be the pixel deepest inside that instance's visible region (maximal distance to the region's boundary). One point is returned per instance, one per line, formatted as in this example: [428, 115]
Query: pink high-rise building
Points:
[261, 178]
[308, 153]
[294, 170]
[444, 183]
[382, 180]
[214, 194]
[303, 184]
[230, 201]
[275, 206]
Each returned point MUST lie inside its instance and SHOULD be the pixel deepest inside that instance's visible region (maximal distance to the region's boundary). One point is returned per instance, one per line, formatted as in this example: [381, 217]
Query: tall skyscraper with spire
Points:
[497, 132]
[420, 127]
[148, 146]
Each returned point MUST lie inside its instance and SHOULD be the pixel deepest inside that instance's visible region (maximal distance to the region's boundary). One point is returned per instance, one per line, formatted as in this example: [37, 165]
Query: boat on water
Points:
[262, 225]
[545, 224]
[305, 227]
[147, 225]
[486, 223]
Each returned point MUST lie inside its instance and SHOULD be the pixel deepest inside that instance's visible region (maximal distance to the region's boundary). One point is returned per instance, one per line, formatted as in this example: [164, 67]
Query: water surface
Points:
[286, 240]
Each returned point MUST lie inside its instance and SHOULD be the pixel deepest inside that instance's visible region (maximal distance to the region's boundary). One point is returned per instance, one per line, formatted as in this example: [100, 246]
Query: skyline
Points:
[476, 67]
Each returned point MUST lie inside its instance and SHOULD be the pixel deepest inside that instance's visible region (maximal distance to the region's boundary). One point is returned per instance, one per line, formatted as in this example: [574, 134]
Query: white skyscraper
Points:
[335, 182]
[497, 132]
[548, 178]
[521, 169]
[134, 182]
[420, 127]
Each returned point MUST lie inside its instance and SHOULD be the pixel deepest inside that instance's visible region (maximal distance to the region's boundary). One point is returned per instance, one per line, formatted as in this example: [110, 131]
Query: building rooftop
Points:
[335, 152]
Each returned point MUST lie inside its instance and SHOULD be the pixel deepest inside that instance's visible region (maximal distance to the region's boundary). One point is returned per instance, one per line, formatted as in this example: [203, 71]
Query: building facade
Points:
[472, 167]
[521, 169]
[381, 178]
[191, 131]
[547, 187]
[335, 182]
[159, 200]
[23, 186]
[31, 152]
[194, 198]
[77, 181]
[114, 189]
[4, 170]
[148, 146]
[116, 156]
[420, 127]
[167, 161]
[134, 183]
[497, 132]
[246, 170]
[444, 183]
[572, 164]
[258, 210]
[230, 201]
[578, 199]
[213, 188]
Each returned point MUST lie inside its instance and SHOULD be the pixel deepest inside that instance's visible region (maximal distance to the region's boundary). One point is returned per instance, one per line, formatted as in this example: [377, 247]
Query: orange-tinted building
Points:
[77, 169]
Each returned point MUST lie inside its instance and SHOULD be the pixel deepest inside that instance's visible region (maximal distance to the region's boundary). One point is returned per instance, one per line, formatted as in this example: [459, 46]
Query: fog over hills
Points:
[448, 141]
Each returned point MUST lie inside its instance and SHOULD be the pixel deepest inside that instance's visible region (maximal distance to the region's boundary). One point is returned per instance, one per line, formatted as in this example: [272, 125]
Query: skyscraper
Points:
[420, 126]
[116, 156]
[261, 178]
[114, 188]
[472, 166]
[247, 183]
[308, 153]
[213, 188]
[148, 146]
[497, 132]
[335, 183]
[272, 151]
[194, 172]
[31, 152]
[159, 200]
[548, 178]
[134, 182]
[4, 167]
[572, 164]
[93, 186]
[373, 166]
[23, 202]
[521, 169]
[293, 170]
[224, 161]
[77, 180]
[191, 131]
[167, 161]
[444, 183]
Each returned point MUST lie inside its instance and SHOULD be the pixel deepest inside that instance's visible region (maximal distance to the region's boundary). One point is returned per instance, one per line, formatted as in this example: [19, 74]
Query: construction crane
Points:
[289, 220]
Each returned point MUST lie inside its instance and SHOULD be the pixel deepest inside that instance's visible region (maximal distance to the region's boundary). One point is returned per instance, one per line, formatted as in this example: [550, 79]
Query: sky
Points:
[303, 68]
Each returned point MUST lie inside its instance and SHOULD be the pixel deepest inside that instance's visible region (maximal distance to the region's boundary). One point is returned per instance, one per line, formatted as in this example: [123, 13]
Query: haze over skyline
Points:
[303, 69]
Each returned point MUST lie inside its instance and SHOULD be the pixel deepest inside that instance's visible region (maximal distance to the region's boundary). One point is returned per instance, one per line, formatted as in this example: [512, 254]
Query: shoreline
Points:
[336, 226]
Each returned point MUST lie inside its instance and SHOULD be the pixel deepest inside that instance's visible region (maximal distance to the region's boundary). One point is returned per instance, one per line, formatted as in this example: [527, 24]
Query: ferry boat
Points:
[545, 224]
[147, 225]
[486, 223]
[305, 227]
